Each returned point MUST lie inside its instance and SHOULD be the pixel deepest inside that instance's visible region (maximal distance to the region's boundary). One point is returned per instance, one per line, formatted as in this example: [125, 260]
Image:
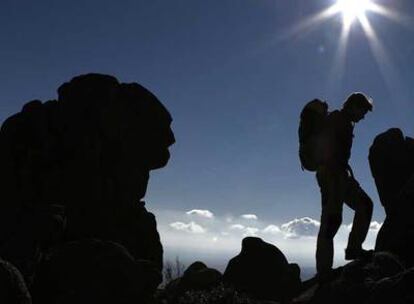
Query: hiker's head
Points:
[357, 105]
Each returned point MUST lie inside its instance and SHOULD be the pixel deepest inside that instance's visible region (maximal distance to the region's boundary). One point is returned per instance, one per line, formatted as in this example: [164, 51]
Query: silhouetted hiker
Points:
[327, 151]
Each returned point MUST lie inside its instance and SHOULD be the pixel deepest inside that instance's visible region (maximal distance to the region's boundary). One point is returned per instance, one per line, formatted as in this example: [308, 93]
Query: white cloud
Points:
[202, 238]
[297, 228]
[237, 227]
[249, 216]
[375, 226]
[250, 231]
[191, 227]
[272, 229]
[202, 213]
[246, 231]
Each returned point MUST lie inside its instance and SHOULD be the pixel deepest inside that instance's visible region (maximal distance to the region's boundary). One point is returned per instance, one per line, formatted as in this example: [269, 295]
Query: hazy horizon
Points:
[202, 235]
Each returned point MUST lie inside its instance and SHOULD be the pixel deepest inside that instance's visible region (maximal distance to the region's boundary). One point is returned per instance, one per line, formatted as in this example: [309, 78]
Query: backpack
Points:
[312, 122]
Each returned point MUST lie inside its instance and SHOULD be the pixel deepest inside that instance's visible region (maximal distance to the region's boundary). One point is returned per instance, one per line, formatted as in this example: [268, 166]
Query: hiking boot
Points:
[353, 254]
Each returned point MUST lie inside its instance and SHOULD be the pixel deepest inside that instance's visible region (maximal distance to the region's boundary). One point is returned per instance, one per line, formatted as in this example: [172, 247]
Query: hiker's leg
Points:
[332, 192]
[361, 203]
[325, 243]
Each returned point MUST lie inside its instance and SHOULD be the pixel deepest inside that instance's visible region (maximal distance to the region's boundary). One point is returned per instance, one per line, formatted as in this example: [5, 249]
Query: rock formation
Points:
[391, 159]
[262, 271]
[90, 151]
[197, 277]
[77, 168]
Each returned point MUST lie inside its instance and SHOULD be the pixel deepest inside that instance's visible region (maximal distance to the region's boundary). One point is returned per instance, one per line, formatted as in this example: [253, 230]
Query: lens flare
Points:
[356, 11]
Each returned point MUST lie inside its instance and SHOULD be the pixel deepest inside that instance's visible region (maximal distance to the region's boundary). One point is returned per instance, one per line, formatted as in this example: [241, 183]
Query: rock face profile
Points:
[77, 168]
[262, 271]
[391, 159]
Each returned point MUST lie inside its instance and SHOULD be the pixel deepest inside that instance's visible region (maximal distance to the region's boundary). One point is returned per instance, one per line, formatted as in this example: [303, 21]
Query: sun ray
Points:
[384, 62]
[310, 22]
[339, 61]
[356, 11]
[392, 15]
[386, 12]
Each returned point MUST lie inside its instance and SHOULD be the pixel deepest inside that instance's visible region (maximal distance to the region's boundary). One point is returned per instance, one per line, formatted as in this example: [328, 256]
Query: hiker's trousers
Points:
[337, 187]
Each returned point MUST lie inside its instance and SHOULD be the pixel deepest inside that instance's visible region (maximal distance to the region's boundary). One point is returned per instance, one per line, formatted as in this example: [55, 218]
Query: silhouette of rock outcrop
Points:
[262, 271]
[94, 271]
[197, 277]
[77, 168]
[391, 159]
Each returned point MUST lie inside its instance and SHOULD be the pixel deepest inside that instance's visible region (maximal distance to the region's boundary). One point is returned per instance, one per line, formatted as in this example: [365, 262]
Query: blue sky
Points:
[234, 83]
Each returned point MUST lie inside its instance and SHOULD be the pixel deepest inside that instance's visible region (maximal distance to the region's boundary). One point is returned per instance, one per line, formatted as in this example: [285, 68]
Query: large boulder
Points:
[94, 271]
[391, 160]
[262, 271]
[197, 277]
[391, 157]
[91, 151]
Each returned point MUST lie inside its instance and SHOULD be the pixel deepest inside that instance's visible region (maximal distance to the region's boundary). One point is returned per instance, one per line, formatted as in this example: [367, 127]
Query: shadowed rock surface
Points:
[357, 282]
[94, 271]
[197, 277]
[13, 289]
[39, 231]
[392, 164]
[397, 289]
[262, 271]
[91, 152]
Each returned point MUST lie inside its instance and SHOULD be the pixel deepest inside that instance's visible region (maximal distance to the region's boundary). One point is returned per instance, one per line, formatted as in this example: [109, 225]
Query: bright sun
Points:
[357, 11]
[353, 9]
